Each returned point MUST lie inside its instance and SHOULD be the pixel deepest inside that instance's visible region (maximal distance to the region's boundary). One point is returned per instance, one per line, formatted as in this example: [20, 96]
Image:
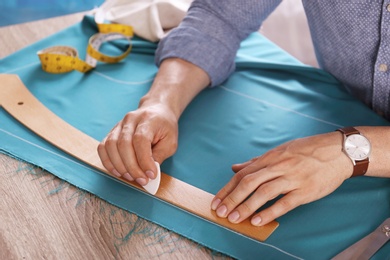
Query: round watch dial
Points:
[357, 147]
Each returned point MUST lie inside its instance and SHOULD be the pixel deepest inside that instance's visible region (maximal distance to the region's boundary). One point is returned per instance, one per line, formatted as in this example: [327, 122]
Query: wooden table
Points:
[42, 217]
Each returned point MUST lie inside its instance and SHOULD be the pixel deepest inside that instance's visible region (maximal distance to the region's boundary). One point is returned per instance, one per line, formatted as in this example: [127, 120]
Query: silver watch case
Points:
[357, 147]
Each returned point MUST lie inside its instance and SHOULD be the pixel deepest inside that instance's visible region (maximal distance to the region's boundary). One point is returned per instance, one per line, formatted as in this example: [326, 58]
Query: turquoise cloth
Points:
[21, 11]
[270, 99]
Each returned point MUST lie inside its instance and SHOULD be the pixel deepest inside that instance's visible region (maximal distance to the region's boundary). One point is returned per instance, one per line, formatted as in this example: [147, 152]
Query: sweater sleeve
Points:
[211, 33]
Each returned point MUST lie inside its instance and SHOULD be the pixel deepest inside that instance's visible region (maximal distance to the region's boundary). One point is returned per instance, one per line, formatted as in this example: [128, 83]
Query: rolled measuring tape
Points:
[62, 59]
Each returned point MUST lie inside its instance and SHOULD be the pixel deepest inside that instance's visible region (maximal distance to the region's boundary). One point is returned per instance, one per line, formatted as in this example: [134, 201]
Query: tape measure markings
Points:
[62, 59]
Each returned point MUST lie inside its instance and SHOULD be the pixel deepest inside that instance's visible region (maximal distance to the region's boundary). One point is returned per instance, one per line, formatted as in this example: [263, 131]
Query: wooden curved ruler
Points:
[22, 105]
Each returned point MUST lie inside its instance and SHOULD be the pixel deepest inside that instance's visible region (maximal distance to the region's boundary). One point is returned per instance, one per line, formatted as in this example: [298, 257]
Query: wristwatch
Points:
[358, 148]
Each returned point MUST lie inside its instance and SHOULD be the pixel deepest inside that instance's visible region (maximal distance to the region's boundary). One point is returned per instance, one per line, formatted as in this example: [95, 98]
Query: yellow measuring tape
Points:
[61, 59]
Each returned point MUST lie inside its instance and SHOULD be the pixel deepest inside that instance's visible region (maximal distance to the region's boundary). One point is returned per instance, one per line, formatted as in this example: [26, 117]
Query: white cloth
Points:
[151, 19]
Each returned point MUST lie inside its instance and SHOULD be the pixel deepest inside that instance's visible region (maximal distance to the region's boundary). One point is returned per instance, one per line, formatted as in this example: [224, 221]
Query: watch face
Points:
[357, 147]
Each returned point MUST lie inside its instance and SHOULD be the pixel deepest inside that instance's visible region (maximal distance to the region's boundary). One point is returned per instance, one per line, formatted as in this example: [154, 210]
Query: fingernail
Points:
[233, 217]
[141, 181]
[221, 211]
[116, 173]
[128, 177]
[256, 221]
[150, 174]
[215, 204]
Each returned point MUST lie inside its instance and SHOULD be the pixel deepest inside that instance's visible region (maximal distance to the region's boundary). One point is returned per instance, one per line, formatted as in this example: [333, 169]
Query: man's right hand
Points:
[142, 137]
[150, 133]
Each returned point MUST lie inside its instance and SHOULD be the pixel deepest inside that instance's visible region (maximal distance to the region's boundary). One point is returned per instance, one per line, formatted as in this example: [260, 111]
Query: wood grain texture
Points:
[42, 217]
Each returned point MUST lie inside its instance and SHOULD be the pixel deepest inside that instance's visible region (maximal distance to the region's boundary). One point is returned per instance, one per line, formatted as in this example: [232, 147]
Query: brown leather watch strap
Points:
[359, 167]
[349, 130]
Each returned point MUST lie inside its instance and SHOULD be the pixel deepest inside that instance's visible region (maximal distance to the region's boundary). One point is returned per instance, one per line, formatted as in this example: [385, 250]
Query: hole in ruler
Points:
[20, 103]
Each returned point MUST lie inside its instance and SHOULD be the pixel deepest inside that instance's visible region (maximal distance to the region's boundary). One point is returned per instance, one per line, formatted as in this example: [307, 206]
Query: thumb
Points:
[163, 150]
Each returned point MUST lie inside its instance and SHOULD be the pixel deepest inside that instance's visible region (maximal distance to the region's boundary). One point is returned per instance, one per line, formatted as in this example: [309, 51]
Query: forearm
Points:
[379, 137]
[210, 34]
[176, 84]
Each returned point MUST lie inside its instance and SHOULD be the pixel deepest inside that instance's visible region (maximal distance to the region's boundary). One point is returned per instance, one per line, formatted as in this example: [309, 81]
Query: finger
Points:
[106, 160]
[237, 195]
[232, 184]
[259, 161]
[142, 145]
[239, 166]
[112, 153]
[227, 189]
[262, 195]
[285, 204]
[257, 165]
[244, 188]
[164, 149]
[128, 157]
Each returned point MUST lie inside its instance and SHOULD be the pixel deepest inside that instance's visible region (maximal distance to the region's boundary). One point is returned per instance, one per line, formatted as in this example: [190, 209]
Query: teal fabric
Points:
[270, 99]
[21, 11]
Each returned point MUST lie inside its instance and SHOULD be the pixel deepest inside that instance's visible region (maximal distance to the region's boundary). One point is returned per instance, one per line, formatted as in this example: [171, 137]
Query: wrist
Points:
[176, 84]
[358, 148]
[169, 103]
[379, 137]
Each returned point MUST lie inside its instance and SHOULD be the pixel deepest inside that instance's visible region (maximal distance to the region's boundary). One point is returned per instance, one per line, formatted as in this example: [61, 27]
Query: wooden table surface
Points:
[42, 217]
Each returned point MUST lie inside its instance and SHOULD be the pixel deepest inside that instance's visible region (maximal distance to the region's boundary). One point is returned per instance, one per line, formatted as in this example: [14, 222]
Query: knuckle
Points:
[139, 138]
[245, 208]
[247, 181]
[107, 164]
[111, 141]
[270, 213]
[286, 205]
[271, 154]
[135, 172]
[142, 115]
[230, 201]
[129, 116]
[123, 143]
[240, 175]
[138, 135]
[222, 193]
[133, 168]
[145, 113]
[265, 190]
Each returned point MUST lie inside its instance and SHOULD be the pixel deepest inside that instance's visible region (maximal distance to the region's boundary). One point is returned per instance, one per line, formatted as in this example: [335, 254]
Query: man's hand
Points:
[150, 133]
[143, 136]
[303, 170]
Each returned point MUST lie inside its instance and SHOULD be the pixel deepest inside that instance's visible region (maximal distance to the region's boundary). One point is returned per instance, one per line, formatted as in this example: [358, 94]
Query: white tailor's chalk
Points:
[153, 185]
